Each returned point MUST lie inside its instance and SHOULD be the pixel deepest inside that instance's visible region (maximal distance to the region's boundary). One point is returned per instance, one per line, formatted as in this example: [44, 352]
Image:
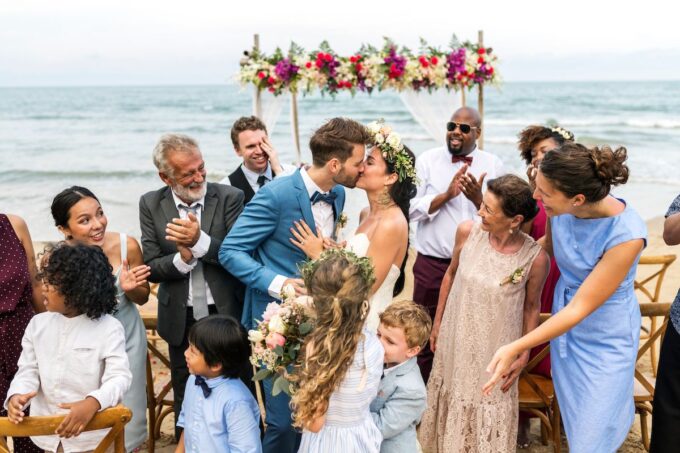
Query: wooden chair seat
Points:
[640, 392]
[529, 397]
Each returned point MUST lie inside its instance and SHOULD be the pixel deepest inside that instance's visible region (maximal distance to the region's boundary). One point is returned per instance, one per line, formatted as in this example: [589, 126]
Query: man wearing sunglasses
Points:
[450, 191]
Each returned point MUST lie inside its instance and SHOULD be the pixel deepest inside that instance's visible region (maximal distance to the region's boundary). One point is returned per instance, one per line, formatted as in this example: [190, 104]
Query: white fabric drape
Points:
[271, 109]
[432, 110]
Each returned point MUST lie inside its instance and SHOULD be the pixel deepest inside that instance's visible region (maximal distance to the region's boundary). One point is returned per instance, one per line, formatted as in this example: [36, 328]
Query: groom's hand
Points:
[298, 284]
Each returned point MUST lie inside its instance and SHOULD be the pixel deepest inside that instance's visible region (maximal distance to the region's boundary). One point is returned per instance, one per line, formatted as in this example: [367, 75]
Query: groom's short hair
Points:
[336, 139]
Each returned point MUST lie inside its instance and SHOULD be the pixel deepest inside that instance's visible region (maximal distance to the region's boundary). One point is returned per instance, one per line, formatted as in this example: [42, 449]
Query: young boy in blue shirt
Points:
[402, 397]
[219, 414]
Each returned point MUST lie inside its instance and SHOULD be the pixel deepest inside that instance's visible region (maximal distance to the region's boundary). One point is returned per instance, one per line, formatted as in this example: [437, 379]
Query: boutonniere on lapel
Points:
[340, 224]
[514, 278]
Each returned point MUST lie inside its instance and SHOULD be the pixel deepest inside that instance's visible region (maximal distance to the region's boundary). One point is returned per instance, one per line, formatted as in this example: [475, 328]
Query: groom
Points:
[258, 250]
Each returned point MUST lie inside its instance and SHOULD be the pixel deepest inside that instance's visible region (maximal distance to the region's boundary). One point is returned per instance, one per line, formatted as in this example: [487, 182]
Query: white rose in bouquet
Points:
[255, 336]
[288, 292]
[277, 325]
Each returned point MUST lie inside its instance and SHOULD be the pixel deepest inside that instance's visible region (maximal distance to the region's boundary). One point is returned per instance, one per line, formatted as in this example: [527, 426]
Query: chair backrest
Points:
[526, 375]
[650, 310]
[647, 285]
[114, 418]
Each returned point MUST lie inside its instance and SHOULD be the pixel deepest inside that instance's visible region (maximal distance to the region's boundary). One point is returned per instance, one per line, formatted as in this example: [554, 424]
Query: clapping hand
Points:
[472, 188]
[133, 278]
[454, 188]
[306, 240]
[184, 232]
[76, 420]
[531, 174]
[16, 404]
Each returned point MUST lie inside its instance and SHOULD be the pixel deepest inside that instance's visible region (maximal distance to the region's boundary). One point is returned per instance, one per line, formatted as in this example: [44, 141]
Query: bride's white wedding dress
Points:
[383, 296]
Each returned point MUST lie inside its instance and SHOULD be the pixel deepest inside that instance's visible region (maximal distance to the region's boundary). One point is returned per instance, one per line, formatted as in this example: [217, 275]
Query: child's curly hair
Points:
[532, 135]
[83, 275]
[339, 285]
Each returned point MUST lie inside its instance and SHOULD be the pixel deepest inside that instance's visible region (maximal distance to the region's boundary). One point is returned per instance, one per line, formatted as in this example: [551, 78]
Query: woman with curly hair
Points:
[79, 216]
[341, 362]
[534, 142]
[73, 357]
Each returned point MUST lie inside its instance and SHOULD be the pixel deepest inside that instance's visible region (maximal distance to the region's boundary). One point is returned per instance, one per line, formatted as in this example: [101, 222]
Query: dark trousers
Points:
[179, 373]
[666, 415]
[428, 273]
[280, 436]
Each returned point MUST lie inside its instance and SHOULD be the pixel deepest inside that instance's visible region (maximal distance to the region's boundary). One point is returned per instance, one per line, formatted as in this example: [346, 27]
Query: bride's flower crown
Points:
[392, 149]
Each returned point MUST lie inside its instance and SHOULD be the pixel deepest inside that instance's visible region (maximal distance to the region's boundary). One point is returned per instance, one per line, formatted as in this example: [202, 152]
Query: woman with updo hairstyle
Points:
[534, 142]
[596, 240]
[79, 216]
[341, 362]
[490, 296]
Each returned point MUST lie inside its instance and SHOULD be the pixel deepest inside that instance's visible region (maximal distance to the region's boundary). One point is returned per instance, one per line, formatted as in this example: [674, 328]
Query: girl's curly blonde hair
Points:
[339, 287]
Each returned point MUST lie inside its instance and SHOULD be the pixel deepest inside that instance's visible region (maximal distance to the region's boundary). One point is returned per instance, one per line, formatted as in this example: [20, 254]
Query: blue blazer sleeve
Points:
[254, 226]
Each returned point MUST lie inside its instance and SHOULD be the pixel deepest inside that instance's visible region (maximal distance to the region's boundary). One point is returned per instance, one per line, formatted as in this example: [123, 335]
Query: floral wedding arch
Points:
[416, 75]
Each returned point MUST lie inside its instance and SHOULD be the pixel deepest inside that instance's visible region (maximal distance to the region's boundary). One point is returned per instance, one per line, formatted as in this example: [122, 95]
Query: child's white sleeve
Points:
[27, 378]
[117, 377]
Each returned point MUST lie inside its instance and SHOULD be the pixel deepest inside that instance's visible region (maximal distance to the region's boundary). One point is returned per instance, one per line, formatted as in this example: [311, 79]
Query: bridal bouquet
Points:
[278, 337]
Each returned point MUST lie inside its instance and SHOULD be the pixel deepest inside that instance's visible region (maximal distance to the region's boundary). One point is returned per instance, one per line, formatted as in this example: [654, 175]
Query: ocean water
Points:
[102, 137]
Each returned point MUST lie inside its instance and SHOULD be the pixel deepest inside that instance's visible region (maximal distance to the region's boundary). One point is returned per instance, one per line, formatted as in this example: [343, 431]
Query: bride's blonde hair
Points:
[339, 284]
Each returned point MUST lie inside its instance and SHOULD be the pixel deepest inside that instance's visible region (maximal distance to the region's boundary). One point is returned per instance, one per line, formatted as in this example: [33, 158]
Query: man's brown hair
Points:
[336, 139]
[246, 123]
[407, 315]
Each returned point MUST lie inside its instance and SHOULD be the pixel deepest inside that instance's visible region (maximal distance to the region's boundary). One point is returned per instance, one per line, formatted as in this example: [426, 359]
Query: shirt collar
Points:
[252, 176]
[214, 382]
[387, 371]
[179, 202]
[310, 185]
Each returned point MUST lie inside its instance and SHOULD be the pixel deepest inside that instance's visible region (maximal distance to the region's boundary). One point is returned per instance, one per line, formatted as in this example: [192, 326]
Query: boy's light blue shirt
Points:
[401, 401]
[226, 421]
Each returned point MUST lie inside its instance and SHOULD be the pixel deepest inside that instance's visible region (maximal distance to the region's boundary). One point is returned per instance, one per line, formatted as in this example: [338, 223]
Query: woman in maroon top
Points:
[534, 142]
[20, 298]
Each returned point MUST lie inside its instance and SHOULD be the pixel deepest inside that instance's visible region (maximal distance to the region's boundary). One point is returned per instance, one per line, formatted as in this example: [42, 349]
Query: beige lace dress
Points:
[481, 315]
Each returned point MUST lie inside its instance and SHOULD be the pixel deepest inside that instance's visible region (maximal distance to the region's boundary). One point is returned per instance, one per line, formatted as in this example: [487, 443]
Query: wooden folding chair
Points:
[650, 288]
[114, 418]
[537, 396]
[643, 392]
[159, 394]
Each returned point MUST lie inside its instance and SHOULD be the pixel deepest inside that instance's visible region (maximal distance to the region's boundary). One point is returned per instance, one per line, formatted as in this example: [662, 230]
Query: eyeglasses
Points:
[464, 128]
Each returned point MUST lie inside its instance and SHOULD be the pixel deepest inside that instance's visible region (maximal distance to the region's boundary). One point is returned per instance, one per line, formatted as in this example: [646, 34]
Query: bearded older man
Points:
[183, 226]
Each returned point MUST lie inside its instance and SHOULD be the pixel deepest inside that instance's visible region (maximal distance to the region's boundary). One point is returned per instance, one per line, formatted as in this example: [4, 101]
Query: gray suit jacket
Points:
[401, 401]
[223, 204]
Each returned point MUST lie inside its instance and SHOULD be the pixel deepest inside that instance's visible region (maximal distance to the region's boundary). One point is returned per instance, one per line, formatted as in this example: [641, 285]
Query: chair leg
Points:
[544, 434]
[652, 349]
[644, 432]
[151, 406]
[556, 430]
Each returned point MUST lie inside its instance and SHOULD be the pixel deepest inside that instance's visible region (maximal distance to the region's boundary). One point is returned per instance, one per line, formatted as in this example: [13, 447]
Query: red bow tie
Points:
[464, 159]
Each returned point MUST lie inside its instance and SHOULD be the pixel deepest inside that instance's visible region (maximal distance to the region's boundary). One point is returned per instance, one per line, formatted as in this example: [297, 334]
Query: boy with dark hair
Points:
[218, 412]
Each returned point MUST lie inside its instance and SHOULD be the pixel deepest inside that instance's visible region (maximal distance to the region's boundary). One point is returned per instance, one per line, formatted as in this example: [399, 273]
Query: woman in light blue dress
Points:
[79, 217]
[596, 240]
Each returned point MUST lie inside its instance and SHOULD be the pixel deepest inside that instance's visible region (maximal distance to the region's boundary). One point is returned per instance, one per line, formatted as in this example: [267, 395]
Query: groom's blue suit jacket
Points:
[258, 247]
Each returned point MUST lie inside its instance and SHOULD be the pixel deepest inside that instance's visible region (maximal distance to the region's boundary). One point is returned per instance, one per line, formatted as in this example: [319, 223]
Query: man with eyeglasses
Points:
[452, 179]
[183, 225]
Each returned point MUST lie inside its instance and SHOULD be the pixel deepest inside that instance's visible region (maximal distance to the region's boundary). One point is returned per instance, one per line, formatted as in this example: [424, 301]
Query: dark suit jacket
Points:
[223, 204]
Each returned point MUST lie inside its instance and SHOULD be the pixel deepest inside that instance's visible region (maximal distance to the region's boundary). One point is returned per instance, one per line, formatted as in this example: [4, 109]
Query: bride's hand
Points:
[305, 239]
[329, 243]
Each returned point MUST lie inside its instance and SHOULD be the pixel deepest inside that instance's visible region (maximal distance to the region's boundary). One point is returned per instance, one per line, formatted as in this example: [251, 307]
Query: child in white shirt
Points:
[73, 359]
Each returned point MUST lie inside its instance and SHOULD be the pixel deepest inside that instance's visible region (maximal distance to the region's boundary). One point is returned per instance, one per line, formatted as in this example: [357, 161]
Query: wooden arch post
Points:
[257, 100]
[480, 97]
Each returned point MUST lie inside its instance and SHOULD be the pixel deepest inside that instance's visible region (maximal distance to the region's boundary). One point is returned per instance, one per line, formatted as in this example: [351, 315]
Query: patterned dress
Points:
[349, 427]
[481, 315]
[16, 311]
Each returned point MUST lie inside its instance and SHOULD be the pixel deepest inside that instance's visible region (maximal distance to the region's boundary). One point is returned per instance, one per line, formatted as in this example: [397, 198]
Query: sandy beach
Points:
[633, 443]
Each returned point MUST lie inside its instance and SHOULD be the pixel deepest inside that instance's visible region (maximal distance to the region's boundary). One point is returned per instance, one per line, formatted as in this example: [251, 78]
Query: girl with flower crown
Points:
[489, 296]
[341, 362]
[389, 181]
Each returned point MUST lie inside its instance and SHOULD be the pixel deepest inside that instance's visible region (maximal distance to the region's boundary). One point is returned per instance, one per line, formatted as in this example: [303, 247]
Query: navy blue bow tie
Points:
[325, 197]
[204, 386]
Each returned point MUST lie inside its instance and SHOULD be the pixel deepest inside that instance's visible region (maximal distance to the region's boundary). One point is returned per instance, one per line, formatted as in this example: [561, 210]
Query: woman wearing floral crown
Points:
[490, 295]
[389, 183]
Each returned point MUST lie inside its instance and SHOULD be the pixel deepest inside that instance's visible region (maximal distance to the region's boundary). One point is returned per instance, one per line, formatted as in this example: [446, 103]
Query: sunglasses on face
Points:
[464, 128]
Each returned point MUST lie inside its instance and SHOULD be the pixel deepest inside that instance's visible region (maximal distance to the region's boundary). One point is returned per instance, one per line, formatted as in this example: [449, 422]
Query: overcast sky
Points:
[104, 42]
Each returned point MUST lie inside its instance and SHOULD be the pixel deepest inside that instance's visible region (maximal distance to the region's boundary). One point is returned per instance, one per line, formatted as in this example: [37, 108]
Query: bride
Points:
[389, 182]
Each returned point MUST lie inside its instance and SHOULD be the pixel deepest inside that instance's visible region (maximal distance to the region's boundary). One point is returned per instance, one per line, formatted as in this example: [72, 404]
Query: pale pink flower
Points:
[275, 339]
[271, 310]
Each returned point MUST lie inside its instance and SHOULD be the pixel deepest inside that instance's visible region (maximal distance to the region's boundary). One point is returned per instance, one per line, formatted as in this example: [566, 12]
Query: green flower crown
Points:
[366, 270]
[392, 149]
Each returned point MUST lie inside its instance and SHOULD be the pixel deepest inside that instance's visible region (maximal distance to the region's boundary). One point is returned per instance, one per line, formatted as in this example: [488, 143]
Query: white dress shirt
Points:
[436, 232]
[252, 176]
[66, 360]
[324, 219]
[199, 249]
